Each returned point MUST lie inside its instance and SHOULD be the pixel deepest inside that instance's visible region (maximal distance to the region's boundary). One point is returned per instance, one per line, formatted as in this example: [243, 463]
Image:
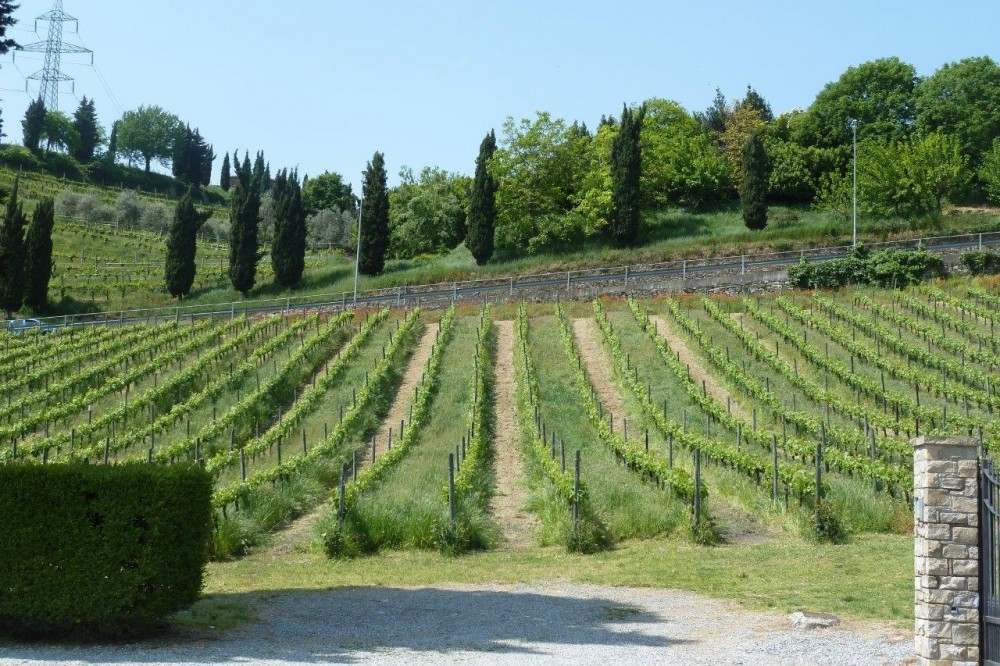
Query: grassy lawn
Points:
[870, 577]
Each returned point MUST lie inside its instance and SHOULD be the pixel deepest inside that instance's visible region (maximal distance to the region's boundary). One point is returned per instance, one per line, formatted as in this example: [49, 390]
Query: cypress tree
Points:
[483, 204]
[626, 171]
[33, 124]
[258, 168]
[113, 144]
[182, 246]
[38, 256]
[227, 174]
[375, 223]
[753, 189]
[244, 217]
[181, 161]
[85, 124]
[207, 160]
[288, 253]
[12, 256]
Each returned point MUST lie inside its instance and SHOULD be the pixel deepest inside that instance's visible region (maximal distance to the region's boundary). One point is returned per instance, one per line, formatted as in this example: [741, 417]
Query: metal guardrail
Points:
[553, 281]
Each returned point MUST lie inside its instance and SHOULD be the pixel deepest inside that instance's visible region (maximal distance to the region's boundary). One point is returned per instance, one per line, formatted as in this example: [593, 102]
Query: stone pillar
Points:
[946, 549]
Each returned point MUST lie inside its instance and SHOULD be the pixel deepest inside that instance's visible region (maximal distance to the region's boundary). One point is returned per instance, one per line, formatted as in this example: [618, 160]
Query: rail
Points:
[554, 281]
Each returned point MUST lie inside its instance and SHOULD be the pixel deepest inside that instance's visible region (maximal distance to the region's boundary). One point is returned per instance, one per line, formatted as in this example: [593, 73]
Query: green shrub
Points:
[105, 550]
[826, 526]
[981, 263]
[891, 269]
[19, 157]
[64, 166]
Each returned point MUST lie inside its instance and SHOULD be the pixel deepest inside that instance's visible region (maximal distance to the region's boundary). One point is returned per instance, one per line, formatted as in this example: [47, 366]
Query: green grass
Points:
[669, 234]
[871, 577]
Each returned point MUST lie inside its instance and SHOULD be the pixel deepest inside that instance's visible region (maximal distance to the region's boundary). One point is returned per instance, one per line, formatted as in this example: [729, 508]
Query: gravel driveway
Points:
[529, 624]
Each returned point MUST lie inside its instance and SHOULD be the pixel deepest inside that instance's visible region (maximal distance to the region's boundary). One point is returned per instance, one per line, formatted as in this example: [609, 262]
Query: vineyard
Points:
[691, 417]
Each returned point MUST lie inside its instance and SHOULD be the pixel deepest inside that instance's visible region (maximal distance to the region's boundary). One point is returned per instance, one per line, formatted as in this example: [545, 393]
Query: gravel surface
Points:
[529, 624]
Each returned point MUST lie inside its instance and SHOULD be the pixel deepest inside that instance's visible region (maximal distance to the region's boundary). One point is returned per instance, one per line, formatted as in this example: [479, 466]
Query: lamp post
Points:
[357, 259]
[854, 129]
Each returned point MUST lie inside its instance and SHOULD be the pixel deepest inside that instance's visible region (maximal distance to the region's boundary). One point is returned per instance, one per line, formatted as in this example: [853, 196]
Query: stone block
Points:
[924, 547]
[927, 648]
[962, 568]
[946, 597]
[967, 599]
[945, 582]
[955, 552]
[965, 634]
[951, 483]
[932, 612]
[953, 518]
[969, 469]
[934, 531]
[940, 498]
[942, 467]
[964, 504]
[966, 536]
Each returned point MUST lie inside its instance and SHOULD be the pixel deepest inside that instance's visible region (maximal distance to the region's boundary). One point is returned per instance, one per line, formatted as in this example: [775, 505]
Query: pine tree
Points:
[38, 263]
[483, 204]
[244, 218]
[288, 253]
[375, 220]
[33, 124]
[626, 171]
[182, 246]
[753, 190]
[113, 144]
[12, 256]
[227, 174]
[85, 124]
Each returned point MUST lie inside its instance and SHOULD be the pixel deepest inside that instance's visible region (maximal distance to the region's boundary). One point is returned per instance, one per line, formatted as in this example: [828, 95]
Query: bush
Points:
[892, 269]
[19, 157]
[64, 166]
[826, 526]
[981, 263]
[90, 549]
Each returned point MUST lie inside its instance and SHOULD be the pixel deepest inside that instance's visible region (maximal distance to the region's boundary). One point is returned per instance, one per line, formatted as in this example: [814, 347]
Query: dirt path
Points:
[698, 372]
[598, 364]
[511, 494]
[401, 405]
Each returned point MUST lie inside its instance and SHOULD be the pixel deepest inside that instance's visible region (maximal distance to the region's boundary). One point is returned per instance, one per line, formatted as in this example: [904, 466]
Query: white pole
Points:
[854, 126]
[357, 259]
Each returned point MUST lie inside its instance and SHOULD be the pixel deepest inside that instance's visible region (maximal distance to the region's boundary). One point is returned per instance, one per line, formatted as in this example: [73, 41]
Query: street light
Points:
[357, 259]
[854, 129]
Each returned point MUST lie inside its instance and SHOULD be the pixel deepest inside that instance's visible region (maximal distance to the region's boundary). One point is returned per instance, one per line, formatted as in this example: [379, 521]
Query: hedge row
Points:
[100, 550]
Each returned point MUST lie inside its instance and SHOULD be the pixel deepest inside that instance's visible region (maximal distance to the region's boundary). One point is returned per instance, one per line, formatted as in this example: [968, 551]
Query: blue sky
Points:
[322, 85]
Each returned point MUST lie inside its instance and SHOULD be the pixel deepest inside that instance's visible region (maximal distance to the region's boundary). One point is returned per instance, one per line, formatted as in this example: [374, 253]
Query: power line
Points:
[51, 76]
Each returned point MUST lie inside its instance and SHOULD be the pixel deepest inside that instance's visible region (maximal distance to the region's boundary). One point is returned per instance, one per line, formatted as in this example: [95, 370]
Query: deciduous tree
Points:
[148, 133]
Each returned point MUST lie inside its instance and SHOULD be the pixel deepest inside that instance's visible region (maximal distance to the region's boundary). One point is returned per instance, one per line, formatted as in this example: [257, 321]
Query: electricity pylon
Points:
[53, 48]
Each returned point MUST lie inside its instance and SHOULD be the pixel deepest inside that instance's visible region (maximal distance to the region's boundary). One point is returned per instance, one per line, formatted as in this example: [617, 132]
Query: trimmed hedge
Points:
[890, 269]
[89, 549]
